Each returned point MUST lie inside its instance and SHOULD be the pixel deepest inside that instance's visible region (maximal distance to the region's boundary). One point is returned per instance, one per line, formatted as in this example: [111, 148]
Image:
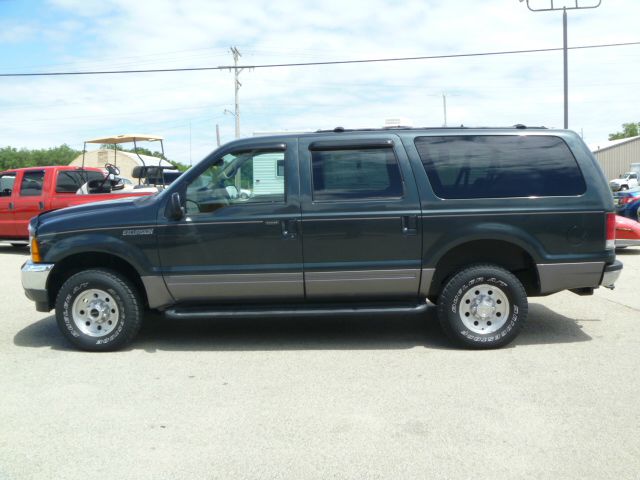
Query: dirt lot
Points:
[336, 398]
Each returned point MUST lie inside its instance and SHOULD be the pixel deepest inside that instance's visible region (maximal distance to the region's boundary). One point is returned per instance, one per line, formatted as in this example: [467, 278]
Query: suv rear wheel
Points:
[99, 310]
[483, 306]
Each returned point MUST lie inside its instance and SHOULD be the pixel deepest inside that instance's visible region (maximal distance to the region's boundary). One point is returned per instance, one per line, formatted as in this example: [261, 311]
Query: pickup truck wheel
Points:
[483, 306]
[98, 310]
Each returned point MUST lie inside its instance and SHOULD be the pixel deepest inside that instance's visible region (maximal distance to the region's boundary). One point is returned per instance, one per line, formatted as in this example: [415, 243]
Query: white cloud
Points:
[11, 34]
[497, 90]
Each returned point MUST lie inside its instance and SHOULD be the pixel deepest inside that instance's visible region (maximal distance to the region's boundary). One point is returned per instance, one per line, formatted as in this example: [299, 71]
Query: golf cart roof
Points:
[126, 138]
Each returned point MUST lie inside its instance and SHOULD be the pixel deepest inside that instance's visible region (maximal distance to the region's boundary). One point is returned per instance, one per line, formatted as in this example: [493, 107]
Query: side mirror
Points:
[175, 210]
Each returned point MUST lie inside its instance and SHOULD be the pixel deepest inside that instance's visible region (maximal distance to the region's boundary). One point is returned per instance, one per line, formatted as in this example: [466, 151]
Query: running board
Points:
[183, 313]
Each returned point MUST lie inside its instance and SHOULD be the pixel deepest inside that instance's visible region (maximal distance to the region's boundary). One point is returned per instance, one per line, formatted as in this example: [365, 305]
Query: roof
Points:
[148, 159]
[337, 132]
[599, 147]
[126, 138]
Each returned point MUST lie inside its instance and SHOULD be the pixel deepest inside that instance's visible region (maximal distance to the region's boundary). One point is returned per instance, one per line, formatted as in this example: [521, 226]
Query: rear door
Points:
[65, 186]
[7, 186]
[360, 218]
[29, 200]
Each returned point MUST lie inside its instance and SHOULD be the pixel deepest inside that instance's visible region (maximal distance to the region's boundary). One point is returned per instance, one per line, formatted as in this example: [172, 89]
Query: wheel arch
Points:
[512, 255]
[78, 262]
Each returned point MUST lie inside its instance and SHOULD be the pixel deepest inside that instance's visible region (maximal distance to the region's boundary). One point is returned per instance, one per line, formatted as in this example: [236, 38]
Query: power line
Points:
[309, 64]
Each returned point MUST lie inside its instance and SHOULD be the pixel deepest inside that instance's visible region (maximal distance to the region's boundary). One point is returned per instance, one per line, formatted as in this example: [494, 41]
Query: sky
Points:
[184, 107]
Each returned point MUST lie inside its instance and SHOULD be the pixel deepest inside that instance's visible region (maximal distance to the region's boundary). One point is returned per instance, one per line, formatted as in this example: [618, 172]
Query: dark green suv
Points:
[338, 223]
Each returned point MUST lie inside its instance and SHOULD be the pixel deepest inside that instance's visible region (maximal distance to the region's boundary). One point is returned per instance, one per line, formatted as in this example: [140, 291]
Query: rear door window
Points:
[354, 174]
[491, 166]
[69, 181]
[31, 185]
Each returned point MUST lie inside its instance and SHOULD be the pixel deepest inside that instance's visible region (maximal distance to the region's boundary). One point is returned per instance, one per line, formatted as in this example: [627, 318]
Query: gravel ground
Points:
[335, 398]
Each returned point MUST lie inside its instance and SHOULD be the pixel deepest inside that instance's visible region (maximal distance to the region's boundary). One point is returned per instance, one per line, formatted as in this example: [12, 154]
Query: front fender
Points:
[141, 253]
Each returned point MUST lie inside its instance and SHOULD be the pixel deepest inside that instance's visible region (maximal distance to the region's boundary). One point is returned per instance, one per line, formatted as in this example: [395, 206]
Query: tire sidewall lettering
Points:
[67, 315]
[493, 337]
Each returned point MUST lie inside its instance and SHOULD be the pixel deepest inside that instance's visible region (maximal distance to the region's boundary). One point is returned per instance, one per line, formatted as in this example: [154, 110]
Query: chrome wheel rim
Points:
[484, 309]
[95, 312]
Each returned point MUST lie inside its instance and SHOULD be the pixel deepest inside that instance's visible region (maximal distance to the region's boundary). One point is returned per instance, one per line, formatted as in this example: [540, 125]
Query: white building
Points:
[616, 156]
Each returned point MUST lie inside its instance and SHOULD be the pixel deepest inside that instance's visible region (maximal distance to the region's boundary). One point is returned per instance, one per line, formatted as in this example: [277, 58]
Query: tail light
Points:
[611, 231]
[625, 200]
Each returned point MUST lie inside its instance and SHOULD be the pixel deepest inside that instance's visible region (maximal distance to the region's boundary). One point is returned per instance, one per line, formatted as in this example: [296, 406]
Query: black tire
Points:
[110, 289]
[624, 187]
[473, 289]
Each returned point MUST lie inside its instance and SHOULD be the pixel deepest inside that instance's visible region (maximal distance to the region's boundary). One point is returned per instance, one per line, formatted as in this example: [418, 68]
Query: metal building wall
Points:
[617, 159]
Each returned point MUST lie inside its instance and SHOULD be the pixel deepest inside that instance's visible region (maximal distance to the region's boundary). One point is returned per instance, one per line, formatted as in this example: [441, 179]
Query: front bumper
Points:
[611, 274]
[34, 281]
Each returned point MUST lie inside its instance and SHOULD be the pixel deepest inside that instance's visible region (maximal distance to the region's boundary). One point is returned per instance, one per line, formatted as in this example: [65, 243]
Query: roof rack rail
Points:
[521, 126]
[518, 126]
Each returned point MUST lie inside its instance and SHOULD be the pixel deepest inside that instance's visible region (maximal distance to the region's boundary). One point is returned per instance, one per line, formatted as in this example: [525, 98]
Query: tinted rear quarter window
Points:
[69, 181]
[491, 166]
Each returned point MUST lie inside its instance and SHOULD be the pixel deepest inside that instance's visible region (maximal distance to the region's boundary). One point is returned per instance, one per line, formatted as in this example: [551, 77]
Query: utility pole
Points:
[565, 59]
[578, 5]
[236, 55]
[218, 134]
[444, 106]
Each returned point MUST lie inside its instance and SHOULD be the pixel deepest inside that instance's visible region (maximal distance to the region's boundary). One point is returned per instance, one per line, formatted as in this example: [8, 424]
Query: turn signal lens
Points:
[35, 251]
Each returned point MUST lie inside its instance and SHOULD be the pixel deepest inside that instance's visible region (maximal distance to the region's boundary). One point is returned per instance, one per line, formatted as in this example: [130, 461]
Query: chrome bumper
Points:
[611, 274]
[34, 275]
[627, 243]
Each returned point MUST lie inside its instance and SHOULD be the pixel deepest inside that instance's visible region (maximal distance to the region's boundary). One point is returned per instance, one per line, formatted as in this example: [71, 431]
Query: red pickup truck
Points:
[26, 192]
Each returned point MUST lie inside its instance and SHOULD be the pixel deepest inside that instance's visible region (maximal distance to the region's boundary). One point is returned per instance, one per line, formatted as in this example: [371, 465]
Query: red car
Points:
[627, 232]
[26, 192]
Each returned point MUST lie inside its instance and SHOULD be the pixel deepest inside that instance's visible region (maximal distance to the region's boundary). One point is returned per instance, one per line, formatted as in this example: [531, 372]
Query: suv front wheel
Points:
[483, 306]
[99, 310]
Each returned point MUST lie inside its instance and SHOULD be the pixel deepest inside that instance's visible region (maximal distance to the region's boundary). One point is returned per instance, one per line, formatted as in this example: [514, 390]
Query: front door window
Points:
[238, 178]
[6, 184]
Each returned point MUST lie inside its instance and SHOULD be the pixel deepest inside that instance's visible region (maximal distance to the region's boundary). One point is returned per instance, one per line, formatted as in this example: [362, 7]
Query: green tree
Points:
[11, 157]
[628, 130]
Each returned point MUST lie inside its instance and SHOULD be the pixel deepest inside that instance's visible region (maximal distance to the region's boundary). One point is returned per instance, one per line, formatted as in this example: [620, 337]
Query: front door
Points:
[360, 219]
[7, 223]
[29, 200]
[240, 238]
